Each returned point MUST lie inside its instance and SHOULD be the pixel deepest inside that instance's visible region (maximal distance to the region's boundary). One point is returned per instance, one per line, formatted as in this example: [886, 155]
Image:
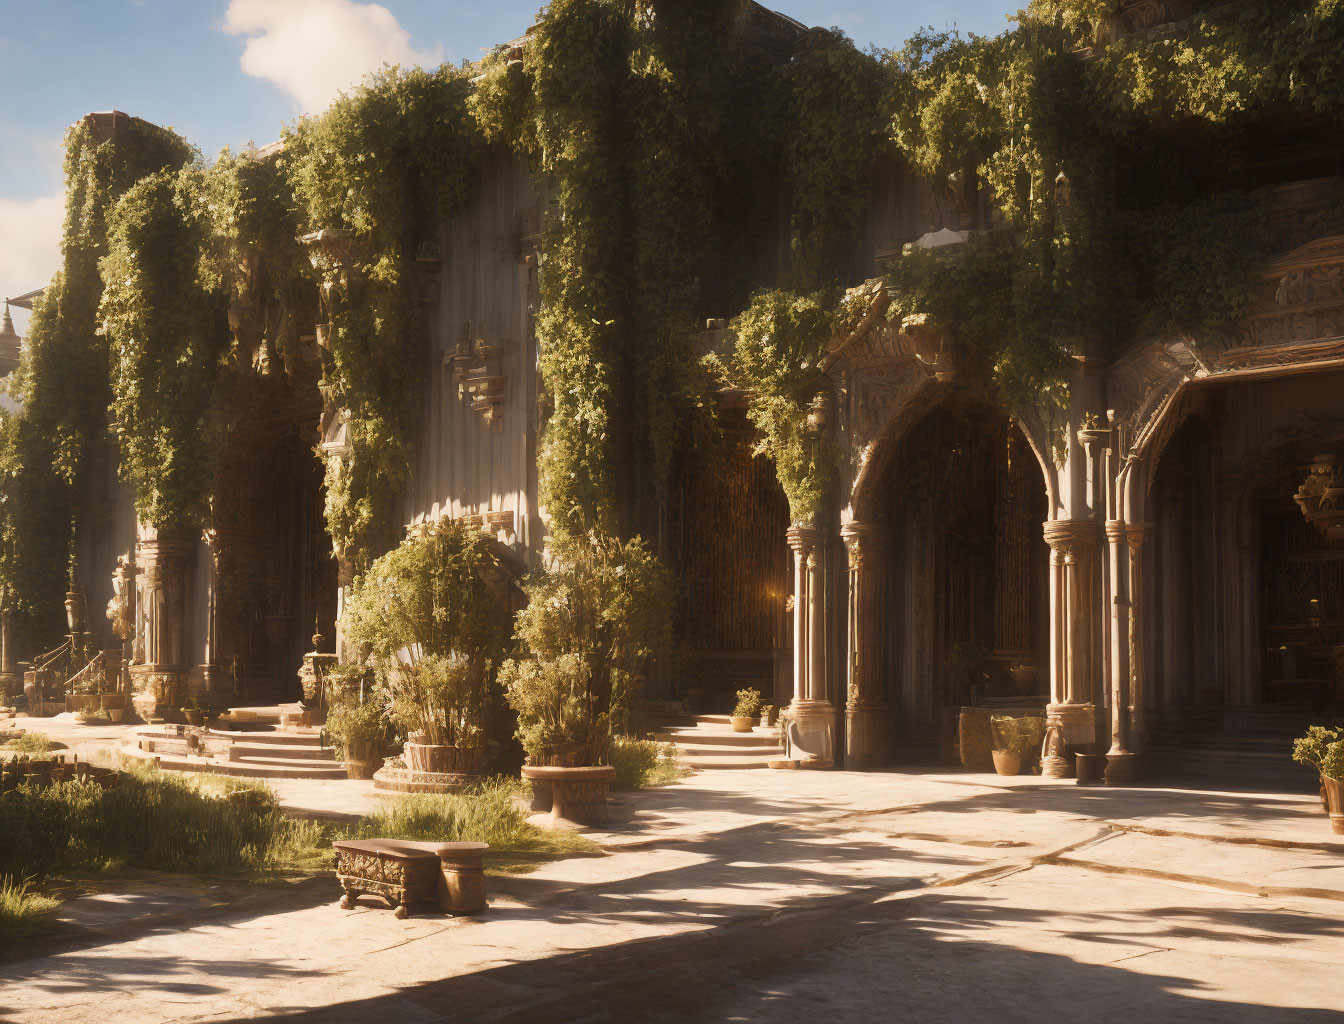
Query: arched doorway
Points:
[967, 575]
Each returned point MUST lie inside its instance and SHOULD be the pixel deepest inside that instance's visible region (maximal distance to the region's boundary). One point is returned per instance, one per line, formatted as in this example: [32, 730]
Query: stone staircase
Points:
[708, 741]
[255, 745]
[1241, 760]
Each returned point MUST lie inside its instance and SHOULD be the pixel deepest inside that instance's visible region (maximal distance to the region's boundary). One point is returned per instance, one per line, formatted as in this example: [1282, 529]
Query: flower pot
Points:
[1007, 762]
[361, 759]
[1091, 769]
[108, 701]
[743, 723]
[194, 716]
[1334, 792]
[115, 715]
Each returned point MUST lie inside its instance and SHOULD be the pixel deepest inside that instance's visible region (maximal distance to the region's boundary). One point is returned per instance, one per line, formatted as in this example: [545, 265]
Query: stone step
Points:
[721, 737]
[243, 769]
[727, 759]
[275, 752]
[287, 762]
[727, 750]
[296, 737]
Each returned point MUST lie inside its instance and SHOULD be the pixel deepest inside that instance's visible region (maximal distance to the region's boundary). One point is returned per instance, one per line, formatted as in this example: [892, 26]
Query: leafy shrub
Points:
[590, 623]
[1017, 735]
[354, 720]
[641, 764]
[31, 743]
[434, 614]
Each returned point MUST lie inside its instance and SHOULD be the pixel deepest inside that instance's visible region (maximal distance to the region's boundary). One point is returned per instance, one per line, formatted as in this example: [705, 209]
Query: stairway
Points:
[1241, 760]
[255, 746]
[708, 741]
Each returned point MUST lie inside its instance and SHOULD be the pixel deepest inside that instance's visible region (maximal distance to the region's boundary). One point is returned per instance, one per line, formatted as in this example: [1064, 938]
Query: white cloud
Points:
[30, 243]
[314, 49]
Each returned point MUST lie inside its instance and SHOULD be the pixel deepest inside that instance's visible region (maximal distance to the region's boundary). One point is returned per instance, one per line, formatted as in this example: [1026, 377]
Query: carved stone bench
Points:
[404, 872]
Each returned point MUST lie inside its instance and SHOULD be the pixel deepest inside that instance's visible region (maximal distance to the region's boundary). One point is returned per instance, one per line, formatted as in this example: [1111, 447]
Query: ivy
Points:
[167, 330]
[62, 382]
[385, 163]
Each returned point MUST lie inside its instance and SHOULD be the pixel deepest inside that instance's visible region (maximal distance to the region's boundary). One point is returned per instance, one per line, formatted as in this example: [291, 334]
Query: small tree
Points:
[590, 623]
[434, 614]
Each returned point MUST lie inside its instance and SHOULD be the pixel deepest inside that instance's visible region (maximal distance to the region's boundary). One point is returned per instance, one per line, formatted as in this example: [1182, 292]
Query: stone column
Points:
[811, 730]
[1071, 716]
[868, 712]
[159, 680]
[1137, 535]
[1119, 758]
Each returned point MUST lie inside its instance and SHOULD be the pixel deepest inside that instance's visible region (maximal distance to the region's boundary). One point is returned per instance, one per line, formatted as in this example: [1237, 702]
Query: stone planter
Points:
[974, 739]
[108, 701]
[444, 759]
[78, 702]
[194, 716]
[1007, 762]
[1334, 792]
[1091, 768]
[742, 723]
[462, 879]
[362, 760]
[571, 794]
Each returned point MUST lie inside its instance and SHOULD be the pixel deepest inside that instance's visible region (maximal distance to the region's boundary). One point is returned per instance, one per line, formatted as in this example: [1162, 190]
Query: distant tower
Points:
[9, 344]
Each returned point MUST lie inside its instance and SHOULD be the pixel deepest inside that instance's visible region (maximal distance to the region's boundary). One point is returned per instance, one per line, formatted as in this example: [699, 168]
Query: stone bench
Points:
[405, 872]
[571, 794]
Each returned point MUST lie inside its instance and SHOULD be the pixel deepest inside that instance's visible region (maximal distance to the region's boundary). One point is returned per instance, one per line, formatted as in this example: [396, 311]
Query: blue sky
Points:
[223, 72]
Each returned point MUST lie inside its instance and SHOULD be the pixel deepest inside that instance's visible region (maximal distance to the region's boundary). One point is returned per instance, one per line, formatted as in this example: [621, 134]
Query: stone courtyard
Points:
[772, 896]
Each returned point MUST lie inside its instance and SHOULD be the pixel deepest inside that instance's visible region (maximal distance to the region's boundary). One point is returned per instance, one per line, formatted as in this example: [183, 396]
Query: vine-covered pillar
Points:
[810, 735]
[868, 712]
[164, 559]
[1071, 716]
[10, 679]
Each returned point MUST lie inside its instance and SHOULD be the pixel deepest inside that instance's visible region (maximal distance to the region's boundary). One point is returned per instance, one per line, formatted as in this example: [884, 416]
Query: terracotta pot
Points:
[1006, 762]
[743, 723]
[1334, 792]
[115, 715]
[194, 717]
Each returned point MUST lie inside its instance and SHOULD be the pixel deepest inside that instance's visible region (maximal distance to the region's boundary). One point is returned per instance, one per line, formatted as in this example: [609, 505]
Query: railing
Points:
[94, 676]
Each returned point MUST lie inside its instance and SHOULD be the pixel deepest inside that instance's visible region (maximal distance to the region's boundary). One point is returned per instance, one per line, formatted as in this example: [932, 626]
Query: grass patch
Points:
[20, 906]
[486, 813]
[643, 763]
[30, 743]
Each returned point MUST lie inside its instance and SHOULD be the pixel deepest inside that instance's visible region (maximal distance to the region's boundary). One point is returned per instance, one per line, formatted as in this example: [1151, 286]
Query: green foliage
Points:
[434, 613]
[20, 905]
[62, 382]
[1322, 749]
[30, 743]
[643, 764]
[591, 621]
[384, 163]
[781, 340]
[748, 703]
[167, 332]
[1017, 735]
[355, 719]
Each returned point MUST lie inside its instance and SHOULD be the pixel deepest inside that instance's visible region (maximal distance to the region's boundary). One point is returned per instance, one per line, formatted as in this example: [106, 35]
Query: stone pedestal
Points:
[158, 691]
[1068, 729]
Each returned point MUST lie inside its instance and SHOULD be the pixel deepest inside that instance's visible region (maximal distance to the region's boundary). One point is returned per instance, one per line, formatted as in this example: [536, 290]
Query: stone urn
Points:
[1007, 762]
[577, 795]
[76, 607]
[1334, 794]
[742, 723]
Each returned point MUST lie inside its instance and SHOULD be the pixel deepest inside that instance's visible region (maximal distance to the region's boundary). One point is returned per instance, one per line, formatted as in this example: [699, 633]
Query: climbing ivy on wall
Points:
[385, 163]
[62, 383]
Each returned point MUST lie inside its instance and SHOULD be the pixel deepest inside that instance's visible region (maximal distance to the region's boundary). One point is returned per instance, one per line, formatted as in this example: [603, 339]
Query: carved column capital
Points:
[803, 539]
[1071, 538]
[864, 541]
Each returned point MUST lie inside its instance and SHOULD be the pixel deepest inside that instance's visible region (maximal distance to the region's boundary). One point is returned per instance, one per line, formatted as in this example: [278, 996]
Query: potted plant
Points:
[748, 707]
[357, 723]
[1015, 740]
[1323, 749]
[591, 622]
[433, 615]
[94, 716]
[193, 712]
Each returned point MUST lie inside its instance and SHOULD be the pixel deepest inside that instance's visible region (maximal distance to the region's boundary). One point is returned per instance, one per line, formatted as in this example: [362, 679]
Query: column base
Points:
[1121, 769]
[867, 736]
[11, 684]
[1068, 728]
[809, 735]
[158, 691]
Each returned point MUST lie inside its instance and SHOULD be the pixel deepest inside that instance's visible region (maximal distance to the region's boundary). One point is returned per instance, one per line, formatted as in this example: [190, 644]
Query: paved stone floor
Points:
[772, 896]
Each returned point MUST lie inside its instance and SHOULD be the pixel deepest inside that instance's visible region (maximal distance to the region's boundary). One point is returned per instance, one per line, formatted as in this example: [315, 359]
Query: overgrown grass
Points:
[486, 813]
[30, 743]
[19, 907]
[643, 763]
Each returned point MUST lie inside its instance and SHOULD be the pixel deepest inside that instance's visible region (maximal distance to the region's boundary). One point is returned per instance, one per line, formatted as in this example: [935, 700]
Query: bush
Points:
[640, 764]
[19, 905]
[1016, 735]
[354, 720]
[590, 623]
[30, 743]
[434, 613]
